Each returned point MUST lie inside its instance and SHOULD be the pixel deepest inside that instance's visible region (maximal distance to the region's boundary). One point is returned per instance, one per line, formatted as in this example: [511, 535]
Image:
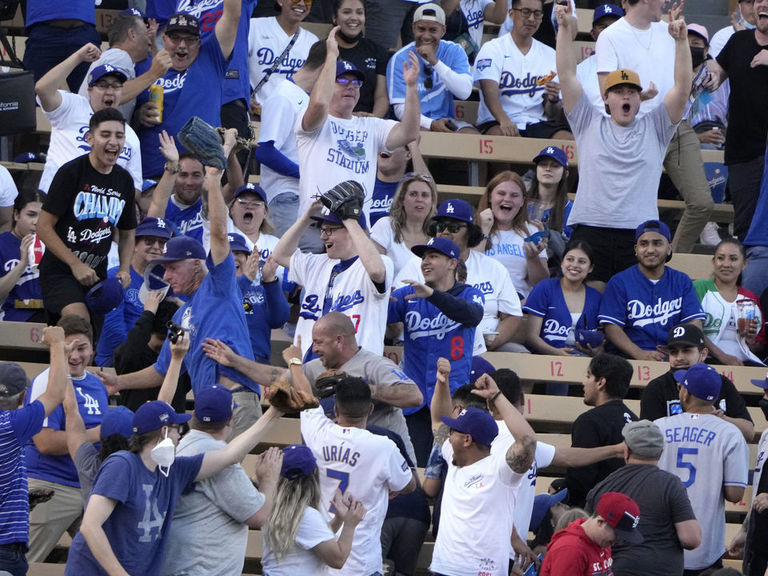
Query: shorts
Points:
[613, 249]
[59, 290]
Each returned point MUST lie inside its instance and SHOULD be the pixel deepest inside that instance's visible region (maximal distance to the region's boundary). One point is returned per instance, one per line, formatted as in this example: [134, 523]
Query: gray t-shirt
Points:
[87, 463]
[208, 536]
[663, 502]
[619, 167]
[374, 369]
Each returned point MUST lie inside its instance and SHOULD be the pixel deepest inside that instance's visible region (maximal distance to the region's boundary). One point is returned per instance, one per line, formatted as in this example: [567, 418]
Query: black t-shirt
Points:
[371, 59]
[661, 398]
[600, 426]
[89, 205]
[747, 109]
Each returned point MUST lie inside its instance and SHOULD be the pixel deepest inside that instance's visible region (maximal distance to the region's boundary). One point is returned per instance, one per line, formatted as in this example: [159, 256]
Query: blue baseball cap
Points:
[455, 209]
[25, 157]
[181, 248]
[761, 383]
[298, 461]
[153, 227]
[333, 219]
[346, 67]
[147, 184]
[701, 380]
[253, 189]
[442, 245]
[653, 226]
[237, 243]
[105, 296]
[214, 404]
[105, 70]
[607, 10]
[117, 420]
[134, 12]
[541, 505]
[480, 366]
[477, 423]
[557, 154]
[592, 337]
[156, 414]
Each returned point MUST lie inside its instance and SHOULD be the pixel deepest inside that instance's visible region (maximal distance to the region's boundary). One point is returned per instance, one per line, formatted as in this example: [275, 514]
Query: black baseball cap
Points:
[685, 335]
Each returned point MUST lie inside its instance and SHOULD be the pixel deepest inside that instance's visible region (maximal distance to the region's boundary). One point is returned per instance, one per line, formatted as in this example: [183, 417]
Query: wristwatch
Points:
[294, 362]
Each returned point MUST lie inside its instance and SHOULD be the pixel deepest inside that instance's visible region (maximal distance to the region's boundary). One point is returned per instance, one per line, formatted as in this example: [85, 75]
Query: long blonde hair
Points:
[292, 497]
[397, 215]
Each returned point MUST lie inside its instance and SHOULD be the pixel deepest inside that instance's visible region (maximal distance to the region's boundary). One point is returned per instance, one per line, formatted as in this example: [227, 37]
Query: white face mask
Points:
[163, 454]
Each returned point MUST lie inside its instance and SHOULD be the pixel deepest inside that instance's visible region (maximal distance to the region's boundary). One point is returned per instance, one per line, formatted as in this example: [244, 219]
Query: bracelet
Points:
[493, 398]
[171, 169]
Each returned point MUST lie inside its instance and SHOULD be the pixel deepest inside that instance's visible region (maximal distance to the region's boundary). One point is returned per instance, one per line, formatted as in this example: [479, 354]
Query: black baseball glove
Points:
[345, 200]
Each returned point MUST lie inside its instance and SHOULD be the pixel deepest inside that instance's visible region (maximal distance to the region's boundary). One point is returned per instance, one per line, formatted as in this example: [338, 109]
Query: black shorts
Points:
[59, 290]
[613, 249]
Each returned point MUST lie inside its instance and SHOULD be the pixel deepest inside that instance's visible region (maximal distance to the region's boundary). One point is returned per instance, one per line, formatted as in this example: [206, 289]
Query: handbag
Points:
[17, 89]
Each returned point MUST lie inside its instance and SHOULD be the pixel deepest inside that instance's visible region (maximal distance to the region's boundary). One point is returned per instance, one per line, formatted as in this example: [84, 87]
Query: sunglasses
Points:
[452, 227]
[344, 81]
[429, 81]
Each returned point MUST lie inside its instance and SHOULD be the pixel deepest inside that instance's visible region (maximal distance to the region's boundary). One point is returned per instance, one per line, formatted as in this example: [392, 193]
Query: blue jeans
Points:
[284, 211]
[12, 559]
[47, 46]
[755, 275]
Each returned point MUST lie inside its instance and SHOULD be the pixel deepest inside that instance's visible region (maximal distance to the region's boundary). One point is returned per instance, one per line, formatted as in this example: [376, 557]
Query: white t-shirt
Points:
[650, 53]
[340, 150]
[299, 559]
[619, 167]
[475, 519]
[545, 453]
[119, 59]
[384, 236]
[8, 190]
[507, 248]
[474, 12]
[363, 464]
[353, 293]
[720, 39]
[521, 79]
[266, 41]
[487, 275]
[278, 117]
[508, 24]
[69, 125]
[586, 72]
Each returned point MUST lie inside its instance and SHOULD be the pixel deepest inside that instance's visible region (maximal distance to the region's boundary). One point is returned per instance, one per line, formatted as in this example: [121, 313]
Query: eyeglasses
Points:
[429, 81]
[527, 13]
[353, 81]
[408, 175]
[452, 227]
[250, 203]
[152, 240]
[107, 85]
[188, 38]
[329, 230]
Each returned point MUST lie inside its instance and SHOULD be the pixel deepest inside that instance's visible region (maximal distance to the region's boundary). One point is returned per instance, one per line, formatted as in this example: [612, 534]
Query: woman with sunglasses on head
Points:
[370, 58]
[408, 222]
[277, 47]
[509, 236]
[19, 287]
[297, 538]
[730, 337]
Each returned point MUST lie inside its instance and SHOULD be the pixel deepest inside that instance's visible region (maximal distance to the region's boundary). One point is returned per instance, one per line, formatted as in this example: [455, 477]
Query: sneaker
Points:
[710, 235]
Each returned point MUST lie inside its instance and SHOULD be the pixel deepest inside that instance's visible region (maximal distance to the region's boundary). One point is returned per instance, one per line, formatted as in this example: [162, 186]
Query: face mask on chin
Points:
[163, 454]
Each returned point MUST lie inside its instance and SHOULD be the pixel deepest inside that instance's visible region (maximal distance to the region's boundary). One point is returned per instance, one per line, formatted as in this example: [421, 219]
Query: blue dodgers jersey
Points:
[647, 310]
[44, 10]
[428, 335]
[546, 300]
[93, 403]
[138, 526]
[188, 221]
[236, 85]
[209, 69]
[119, 322]
[27, 286]
[265, 308]
[436, 102]
[215, 310]
[383, 194]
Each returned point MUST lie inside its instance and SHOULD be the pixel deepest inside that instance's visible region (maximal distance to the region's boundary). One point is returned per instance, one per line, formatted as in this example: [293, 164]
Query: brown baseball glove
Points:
[325, 384]
[287, 399]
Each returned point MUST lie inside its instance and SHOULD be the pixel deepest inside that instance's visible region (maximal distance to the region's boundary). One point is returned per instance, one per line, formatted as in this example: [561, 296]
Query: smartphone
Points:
[531, 571]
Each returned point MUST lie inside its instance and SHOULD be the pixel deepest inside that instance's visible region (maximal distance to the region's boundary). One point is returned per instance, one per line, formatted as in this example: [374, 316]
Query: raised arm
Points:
[570, 87]
[322, 92]
[171, 380]
[677, 97]
[520, 454]
[75, 427]
[366, 249]
[161, 62]
[441, 400]
[226, 27]
[164, 188]
[47, 88]
[289, 241]
[407, 130]
[53, 338]
[217, 215]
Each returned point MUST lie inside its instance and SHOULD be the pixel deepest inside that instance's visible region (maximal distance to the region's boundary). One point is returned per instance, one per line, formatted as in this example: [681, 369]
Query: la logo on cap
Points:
[550, 150]
[431, 241]
[449, 210]
[678, 331]
[347, 66]
[231, 238]
[624, 75]
[108, 68]
[163, 417]
[160, 223]
[608, 10]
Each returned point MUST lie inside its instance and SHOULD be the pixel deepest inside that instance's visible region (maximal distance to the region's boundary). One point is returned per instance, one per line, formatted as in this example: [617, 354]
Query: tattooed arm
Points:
[401, 394]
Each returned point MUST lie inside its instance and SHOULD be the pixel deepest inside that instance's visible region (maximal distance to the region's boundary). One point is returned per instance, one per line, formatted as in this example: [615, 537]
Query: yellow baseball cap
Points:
[622, 76]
